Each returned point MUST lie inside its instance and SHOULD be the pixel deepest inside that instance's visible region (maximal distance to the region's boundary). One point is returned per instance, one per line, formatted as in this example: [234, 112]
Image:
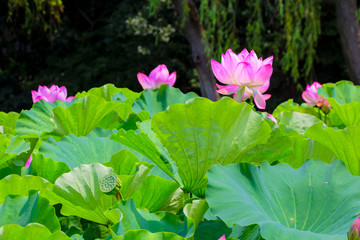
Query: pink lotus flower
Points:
[354, 232]
[222, 237]
[158, 76]
[312, 98]
[272, 118]
[51, 95]
[245, 75]
[28, 161]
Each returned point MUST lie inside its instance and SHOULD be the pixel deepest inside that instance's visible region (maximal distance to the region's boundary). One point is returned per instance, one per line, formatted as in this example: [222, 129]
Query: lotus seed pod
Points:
[110, 184]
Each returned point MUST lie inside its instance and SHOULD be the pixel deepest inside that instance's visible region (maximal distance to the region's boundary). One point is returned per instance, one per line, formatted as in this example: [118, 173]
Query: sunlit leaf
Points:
[287, 203]
[30, 232]
[201, 132]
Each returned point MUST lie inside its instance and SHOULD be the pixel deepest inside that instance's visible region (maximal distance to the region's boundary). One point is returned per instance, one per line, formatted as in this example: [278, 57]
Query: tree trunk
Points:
[193, 31]
[348, 27]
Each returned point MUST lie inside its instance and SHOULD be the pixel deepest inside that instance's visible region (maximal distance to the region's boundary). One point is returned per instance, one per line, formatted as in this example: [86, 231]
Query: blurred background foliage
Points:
[84, 44]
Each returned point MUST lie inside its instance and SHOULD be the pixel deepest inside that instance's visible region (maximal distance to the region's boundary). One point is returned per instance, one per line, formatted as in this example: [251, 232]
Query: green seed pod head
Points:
[110, 184]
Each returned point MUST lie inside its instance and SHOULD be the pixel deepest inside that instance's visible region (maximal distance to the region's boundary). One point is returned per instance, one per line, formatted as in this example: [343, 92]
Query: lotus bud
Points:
[354, 232]
[222, 237]
[111, 185]
[28, 162]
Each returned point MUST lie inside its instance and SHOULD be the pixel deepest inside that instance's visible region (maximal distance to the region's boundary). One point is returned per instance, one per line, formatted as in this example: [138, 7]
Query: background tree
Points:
[348, 26]
[97, 42]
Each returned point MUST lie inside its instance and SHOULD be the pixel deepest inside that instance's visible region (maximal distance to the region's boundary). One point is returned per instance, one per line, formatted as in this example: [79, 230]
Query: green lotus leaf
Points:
[213, 230]
[290, 106]
[123, 163]
[16, 185]
[286, 203]
[347, 113]
[300, 122]
[119, 117]
[6, 170]
[80, 118]
[33, 122]
[30, 232]
[158, 100]
[154, 193]
[24, 210]
[11, 147]
[195, 212]
[136, 219]
[288, 144]
[7, 122]
[47, 168]
[143, 144]
[344, 143]
[343, 92]
[135, 182]
[344, 99]
[143, 234]
[109, 92]
[81, 187]
[289, 147]
[75, 151]
[201, 132]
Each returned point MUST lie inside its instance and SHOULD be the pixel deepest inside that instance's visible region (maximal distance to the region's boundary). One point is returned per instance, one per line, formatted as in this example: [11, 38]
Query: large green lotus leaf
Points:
[347, 114]
[143, 144]
[290, 106]
[47, 168]
[343, 92]
[7, 122]
[31, 232]
[158, 100]
[344, 143]
[154, 193]
[201, 132]
[74, 150]
[289, 147]
[33, 122]
[287, 143]
[300, 122]
[123, 163]
[24, 210]
[136, 219]
[108, 91]
[143, 234]
[344, 99]
[16, 185]
[11, 147]
[117, 118]
[317, 201]
[80, 118]
[81, 187]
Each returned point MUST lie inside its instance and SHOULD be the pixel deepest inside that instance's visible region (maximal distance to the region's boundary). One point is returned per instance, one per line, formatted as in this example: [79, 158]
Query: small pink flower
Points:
[51, 94]
[222, 237]
[245, 75]
[272, 118]
[311, 97]
[160, 75]
[354, 232]
[28, 161]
